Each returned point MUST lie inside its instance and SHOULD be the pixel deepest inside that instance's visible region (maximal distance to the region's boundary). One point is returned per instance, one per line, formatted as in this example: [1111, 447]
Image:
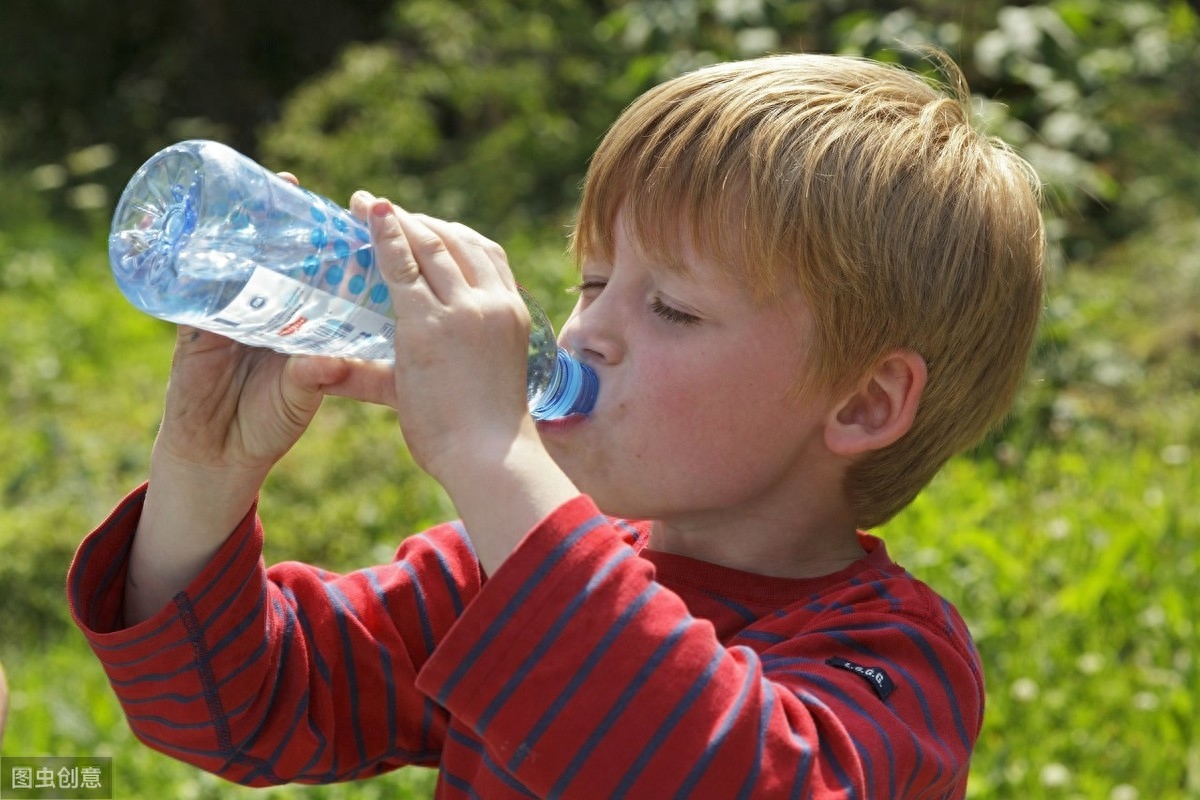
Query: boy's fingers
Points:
[360, 204]
[441, 262]
[415, 251]
[487, 259]
[393, 253]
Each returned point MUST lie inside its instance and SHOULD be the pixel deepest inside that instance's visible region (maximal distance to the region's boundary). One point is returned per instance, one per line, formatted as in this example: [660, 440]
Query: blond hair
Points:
[869, 189]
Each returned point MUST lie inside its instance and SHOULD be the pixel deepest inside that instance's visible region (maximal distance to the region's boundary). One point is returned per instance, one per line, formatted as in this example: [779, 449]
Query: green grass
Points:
[1069, 541]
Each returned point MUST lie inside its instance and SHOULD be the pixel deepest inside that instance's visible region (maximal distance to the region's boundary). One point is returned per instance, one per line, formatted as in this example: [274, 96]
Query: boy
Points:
[806, 283]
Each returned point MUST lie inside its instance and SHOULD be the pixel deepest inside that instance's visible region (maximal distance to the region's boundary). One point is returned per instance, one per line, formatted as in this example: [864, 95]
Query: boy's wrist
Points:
[189, 512]
[505, 492]
[210, 484]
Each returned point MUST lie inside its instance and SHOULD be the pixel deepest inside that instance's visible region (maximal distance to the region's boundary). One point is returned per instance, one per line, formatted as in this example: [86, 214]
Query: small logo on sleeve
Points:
[879, 680]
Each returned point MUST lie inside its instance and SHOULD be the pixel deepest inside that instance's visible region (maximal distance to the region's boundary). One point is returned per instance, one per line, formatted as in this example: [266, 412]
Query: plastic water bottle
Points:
[204, 236]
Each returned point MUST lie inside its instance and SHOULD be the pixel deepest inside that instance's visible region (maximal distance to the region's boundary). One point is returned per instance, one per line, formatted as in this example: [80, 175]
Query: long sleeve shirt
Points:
[586, 666]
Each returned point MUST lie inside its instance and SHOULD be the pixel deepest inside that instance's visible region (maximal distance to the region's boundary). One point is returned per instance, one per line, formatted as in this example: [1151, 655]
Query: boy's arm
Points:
[288, 674]
[580, 675]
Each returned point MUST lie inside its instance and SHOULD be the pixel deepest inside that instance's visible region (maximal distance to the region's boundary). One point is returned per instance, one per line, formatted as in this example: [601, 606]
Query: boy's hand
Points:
[462, 335]
[237, 409]
[231, 412]
[462, 339]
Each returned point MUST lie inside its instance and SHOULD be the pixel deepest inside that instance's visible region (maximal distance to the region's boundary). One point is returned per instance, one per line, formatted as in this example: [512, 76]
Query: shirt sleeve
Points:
[581, 676]
[288, 674]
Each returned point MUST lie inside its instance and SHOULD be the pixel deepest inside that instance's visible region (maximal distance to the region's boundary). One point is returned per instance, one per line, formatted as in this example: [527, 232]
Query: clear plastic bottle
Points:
[204, 236]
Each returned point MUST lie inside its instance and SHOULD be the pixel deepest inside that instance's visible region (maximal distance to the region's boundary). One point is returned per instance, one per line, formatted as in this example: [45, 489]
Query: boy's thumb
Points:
[313, 374]
[366, 381]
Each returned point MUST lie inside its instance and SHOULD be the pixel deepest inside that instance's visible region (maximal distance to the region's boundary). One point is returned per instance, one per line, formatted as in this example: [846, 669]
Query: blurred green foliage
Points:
[1068, 539]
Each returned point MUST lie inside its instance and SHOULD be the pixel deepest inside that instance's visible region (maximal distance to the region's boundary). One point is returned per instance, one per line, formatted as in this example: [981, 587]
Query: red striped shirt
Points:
[585, 667]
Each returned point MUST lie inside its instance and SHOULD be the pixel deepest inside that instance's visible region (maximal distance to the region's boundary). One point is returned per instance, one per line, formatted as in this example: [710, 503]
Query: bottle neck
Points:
[572, 390]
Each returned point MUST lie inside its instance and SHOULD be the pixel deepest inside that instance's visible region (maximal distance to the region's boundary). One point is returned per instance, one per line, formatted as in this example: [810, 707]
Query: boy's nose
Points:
[594, 333]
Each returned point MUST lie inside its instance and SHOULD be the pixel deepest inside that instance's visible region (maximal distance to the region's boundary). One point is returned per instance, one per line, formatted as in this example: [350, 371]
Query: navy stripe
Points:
[389, 682]
[764, 721]
[742, 611]
[461, 530]
[322, 744]
[762, 636]
[116, 566]
[652, 665]
[881, 590]
[177, 750]
[220, 574]
[831, 757]
[245, 621]
[456, 600]
[718, 738]
[477, 747]
[430, 641]
[294, 608]
[548, 640]
[170, 697]
[419, 598]
[385, 658]
[580, 677]
[156, 653]
[166, 722]
[668, 725]
[804, 763]
[627, 527]
[427, 714]
[341, 610]
[158, 677]
[515, 603]
[456, 782]
[948, 616]
[90, 544]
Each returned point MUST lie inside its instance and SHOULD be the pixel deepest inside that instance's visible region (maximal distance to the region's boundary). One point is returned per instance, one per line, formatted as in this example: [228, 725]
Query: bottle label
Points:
[276, 311]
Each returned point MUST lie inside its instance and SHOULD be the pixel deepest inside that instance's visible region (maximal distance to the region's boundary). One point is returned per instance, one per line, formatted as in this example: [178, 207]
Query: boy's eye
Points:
[672, 315]
[589, 288]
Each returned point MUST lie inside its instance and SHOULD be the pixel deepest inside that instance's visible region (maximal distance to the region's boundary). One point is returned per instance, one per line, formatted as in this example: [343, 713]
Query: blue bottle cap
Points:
[573, 390]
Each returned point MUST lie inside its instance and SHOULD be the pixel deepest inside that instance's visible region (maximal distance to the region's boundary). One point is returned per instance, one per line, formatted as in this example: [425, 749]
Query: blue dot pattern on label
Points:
[339, 248]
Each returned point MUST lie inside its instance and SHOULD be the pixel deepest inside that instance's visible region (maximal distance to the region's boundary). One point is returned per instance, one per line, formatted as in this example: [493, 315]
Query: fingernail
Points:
[382, 207]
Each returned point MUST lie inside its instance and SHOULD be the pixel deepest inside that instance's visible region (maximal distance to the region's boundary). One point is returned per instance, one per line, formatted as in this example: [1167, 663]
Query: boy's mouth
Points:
[561, 424]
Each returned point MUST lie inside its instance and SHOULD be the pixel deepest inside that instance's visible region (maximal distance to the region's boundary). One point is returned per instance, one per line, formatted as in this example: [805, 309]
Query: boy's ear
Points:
[881, 409]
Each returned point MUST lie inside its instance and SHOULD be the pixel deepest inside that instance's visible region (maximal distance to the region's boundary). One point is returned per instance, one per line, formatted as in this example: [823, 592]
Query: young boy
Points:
[806, 283]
